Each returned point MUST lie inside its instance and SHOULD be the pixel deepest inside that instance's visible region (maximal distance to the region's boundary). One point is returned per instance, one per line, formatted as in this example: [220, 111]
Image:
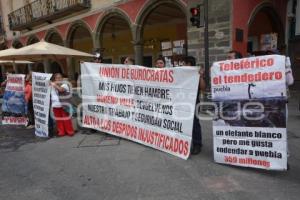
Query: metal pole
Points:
[206, 47]
[15, 67]
[206, 55]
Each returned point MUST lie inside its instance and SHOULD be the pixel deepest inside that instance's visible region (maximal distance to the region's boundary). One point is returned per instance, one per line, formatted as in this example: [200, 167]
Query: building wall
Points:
[219, 31]
[242, 13]
[6, 7]
[219, 25]
[131, 11]
[224, 17]
[293, 38]
[12, 5]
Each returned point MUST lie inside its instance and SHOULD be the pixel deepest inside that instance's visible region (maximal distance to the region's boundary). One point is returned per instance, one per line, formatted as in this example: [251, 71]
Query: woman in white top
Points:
[62, 118]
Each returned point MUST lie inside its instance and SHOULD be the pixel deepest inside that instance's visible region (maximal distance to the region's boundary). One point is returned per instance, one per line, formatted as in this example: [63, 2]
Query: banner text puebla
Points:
[154, 107]
[41, 102]
[250, 127]
[14, 106]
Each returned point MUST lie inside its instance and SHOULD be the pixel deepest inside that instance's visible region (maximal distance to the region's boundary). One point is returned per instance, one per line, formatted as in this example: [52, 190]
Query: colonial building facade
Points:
[144, 29]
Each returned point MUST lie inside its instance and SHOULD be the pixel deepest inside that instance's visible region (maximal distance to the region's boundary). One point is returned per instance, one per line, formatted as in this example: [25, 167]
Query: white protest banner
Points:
[154, 107]
[250, 128]
[14, 106]
[41, 102]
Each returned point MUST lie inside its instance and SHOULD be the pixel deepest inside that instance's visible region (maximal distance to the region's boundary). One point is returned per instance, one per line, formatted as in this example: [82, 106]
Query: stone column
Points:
[96, 43]
[29, 67]
[47, 66]
[139, 52]
[70, 66]
[138, 44]
[71, 69]
[15, 68]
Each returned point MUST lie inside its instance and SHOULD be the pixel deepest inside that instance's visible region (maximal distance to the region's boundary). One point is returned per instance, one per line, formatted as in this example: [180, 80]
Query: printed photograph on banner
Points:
[154, 107]
[14, 108]
[264, 112]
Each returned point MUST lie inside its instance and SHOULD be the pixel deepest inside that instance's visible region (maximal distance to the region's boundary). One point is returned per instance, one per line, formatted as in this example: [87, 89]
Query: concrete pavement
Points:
[89, 167]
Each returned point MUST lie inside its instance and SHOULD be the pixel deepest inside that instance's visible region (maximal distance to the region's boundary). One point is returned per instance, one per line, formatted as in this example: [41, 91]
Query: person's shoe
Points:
[91, 131]
[196, 149]
[60, 135]
[30, 127]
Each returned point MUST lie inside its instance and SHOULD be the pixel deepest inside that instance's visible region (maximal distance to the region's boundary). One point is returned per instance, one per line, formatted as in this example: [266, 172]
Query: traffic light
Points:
[196, 16]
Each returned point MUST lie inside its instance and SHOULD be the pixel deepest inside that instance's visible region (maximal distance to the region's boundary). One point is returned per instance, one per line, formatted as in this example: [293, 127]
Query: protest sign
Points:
[250, 127]
[14, 106]
[41, 102]
[154, 107]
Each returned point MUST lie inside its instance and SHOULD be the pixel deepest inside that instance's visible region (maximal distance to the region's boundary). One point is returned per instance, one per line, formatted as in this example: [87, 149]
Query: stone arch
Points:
[17, 44]
[146, 11]
[32, 39]
[166, 15]
[72, 29]
[51, 33]
[3, 46]
[79, 37]
[269, 10]
[117, 23]
[108, 14]
[37, 66]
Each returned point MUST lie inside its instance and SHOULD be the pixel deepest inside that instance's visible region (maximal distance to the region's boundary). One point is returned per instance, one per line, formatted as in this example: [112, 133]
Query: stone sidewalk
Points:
[98, 166]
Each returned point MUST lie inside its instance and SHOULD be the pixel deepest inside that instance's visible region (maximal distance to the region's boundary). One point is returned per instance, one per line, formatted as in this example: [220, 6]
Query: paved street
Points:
[89, 167]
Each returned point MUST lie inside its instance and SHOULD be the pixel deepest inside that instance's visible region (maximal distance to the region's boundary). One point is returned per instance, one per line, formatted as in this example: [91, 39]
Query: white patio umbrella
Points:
[15, 61]
[12, 62]
[40, 51]
[7, 51]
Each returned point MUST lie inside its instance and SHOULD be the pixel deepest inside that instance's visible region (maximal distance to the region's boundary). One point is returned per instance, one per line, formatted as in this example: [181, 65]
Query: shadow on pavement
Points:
[14, 137]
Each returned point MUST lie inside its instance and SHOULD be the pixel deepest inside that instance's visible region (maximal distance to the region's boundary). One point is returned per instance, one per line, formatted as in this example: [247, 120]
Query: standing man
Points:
[233, 54]
[197, 132]
[97, 59]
